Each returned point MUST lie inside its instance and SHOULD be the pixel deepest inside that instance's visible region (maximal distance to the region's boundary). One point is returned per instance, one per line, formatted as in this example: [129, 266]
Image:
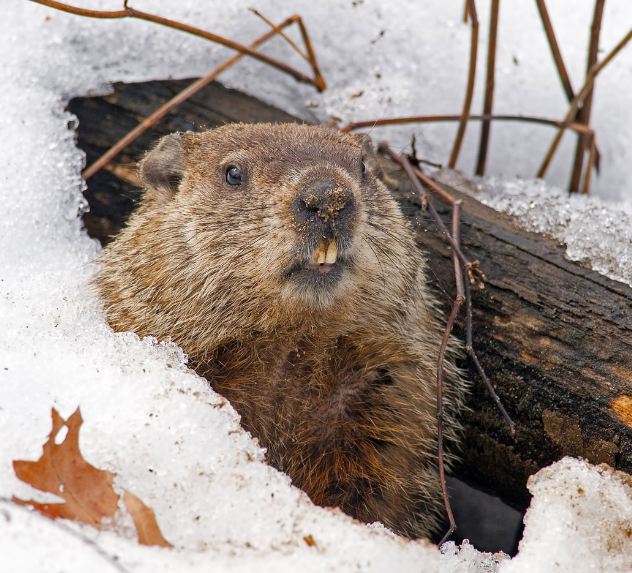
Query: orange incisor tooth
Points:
[332, 252]
[320, 254]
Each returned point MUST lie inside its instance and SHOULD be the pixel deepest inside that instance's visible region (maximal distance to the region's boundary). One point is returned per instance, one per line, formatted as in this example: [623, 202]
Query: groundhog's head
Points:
[255, 221]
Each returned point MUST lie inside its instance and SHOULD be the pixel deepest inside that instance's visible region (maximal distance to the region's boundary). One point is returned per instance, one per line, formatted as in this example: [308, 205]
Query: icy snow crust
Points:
[579, 520]
[171, 440]
[596, 233]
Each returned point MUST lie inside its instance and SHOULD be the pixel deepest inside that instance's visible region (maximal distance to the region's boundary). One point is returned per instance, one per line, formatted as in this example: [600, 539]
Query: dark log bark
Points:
[554, 337]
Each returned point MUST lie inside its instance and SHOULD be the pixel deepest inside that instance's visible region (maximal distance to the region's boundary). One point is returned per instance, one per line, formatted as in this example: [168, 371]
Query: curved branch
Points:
[174, 102]
[579, 99]
[129, 12]
[578, 127]
[467, 104]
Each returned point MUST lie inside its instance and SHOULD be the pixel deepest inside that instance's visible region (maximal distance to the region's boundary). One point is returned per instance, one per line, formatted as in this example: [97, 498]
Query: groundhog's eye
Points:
[363, 169]
[233, 175]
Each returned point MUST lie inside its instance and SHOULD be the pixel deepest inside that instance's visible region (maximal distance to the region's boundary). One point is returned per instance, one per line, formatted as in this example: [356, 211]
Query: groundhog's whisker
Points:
[383, 249]
[388, 233]
[373, 246]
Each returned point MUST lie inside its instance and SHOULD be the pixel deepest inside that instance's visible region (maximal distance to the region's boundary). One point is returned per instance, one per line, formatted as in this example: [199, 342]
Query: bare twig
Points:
[174, 102]
[583, 141]
[579, 98]
[281, 33]
[465, 294]
[555, 50]
[425, 180]
[458, 301]
[444, 343]
[129, 12]
[408, 167]
[557, 58]
[421, 160]
[579, 128]
[469, 347]
[475, 275]
[416, 176]
[489, 88]
[425, 204]
[456, 234]
[310, 57]
[467, 104]
[592, 157]
[320, 82]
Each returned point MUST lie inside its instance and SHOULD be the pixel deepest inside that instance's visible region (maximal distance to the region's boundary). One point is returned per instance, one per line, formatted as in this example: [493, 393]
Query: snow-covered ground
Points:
[170, 439]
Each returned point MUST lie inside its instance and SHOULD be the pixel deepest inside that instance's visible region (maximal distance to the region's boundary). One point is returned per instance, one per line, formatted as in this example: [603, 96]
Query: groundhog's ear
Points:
[163, 168]
[369, 156]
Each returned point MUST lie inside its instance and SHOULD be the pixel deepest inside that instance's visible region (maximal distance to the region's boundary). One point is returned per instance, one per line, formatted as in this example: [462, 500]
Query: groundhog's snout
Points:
[325, 209]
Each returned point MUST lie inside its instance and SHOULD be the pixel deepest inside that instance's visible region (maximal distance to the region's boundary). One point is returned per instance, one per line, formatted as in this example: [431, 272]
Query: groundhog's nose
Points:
[326, 207]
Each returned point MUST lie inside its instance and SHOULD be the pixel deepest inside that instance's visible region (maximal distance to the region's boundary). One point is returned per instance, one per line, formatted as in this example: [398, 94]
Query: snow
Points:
[171, 440]
[595, 232]
[466, 559]
[589, 527]
[579, 520]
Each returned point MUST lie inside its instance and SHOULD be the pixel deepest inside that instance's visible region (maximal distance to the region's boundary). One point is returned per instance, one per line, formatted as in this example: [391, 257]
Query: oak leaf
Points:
[87, 491]
[145, 521]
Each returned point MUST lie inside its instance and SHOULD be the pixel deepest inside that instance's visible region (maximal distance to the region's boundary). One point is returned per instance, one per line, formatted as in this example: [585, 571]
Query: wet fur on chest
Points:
[334, 415]
[308, 389]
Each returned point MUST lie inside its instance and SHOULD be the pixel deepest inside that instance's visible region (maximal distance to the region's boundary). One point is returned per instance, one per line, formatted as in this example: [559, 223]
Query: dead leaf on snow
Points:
[87, 491]
[145, 521]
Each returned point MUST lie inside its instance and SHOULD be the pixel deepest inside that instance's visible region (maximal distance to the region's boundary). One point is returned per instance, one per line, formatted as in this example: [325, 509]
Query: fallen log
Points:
[554, 337]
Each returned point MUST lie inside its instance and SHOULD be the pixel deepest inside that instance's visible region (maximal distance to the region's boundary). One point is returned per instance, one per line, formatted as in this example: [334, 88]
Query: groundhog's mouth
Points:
[324, 257]
[321, 270]
[323, 277]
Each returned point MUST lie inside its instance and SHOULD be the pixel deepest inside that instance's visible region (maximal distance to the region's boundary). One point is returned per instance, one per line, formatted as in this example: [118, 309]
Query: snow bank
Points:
[580, 519]
[596, 233]
[171, 440]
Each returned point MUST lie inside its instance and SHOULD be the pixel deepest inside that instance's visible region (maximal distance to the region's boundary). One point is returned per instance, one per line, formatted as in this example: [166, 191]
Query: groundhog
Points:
[276, 257]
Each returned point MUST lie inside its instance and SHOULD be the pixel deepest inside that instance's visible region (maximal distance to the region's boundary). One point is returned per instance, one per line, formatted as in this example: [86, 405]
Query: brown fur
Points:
[338, 383]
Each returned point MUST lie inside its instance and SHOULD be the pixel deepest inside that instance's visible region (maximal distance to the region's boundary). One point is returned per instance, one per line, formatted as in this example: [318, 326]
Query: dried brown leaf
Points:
[87, 491]
[145, 521]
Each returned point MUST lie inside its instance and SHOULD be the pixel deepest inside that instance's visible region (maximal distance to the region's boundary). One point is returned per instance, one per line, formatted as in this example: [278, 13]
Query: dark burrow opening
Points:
[485, 520]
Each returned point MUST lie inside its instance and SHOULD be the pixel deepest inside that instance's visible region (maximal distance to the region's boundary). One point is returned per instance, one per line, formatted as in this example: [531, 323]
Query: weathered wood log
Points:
[556, 340]
[554, 337]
